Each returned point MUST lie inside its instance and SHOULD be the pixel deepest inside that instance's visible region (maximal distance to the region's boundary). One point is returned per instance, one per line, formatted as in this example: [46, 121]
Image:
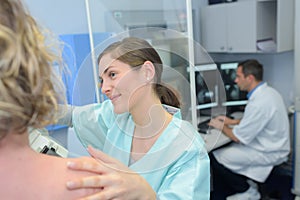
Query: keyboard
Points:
[203, 126]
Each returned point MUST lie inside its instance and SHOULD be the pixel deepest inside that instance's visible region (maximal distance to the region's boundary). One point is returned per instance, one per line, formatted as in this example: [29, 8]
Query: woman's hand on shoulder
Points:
[115, 179]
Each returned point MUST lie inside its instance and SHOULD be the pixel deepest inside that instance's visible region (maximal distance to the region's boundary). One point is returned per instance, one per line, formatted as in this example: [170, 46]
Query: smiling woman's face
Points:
[121, 83]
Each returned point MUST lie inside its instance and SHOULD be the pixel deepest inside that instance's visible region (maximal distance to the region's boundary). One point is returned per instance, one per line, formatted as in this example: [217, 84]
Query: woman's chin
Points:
[119, 110]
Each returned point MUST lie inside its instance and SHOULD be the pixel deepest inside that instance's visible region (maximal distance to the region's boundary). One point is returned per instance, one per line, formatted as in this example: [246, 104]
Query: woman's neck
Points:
[13, 143]
[150, 120]
[149, 130]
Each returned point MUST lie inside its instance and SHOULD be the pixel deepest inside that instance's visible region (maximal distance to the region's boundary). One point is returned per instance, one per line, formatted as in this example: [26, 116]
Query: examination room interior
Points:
[75, 21]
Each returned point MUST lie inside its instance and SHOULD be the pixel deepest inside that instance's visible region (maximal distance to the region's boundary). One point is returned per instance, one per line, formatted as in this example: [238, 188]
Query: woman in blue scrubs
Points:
[147, 150]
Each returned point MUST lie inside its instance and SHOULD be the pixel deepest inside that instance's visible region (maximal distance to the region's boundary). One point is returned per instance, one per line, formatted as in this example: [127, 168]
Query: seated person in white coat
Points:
[261, 138]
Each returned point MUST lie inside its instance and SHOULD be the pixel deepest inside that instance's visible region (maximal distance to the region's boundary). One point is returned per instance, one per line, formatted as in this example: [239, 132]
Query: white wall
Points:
[60, 16]
[297, 53]
[278, 69]
[69, 16]
[296, 187]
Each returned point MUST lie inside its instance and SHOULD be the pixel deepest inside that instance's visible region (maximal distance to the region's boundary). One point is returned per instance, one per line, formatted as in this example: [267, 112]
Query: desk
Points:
[214, 138]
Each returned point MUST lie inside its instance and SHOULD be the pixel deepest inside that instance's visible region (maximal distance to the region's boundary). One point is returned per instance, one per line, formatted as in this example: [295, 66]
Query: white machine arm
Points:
[41, 142]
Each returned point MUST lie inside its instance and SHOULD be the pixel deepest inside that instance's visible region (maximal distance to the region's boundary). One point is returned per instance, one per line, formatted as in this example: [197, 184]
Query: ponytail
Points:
[167, 95]
[134, 52]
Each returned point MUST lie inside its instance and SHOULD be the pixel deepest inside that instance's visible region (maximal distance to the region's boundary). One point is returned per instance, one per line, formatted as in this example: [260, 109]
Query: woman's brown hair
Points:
[134, 52]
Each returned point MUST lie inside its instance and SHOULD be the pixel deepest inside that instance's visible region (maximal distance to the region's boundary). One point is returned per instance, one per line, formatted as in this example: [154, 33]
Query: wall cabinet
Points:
[240, 26]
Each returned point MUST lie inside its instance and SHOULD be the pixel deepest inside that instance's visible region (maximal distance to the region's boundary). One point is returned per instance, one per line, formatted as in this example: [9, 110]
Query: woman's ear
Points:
[149, 70]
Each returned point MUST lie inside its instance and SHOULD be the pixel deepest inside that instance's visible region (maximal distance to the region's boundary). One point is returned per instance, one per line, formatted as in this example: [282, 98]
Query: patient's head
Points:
[28, 96]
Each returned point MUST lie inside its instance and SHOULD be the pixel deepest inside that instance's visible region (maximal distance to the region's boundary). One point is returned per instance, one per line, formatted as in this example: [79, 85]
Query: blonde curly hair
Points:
[30, 87]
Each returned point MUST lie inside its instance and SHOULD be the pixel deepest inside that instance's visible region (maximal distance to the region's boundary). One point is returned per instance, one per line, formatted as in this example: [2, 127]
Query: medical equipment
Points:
[41, 142]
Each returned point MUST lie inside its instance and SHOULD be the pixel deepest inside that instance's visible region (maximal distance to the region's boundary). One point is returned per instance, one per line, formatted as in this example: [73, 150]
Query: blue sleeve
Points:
[91, 123]
[189, 180]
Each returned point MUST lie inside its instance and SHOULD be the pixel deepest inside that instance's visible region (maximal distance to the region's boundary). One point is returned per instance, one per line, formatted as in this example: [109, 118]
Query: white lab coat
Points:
[263, 134]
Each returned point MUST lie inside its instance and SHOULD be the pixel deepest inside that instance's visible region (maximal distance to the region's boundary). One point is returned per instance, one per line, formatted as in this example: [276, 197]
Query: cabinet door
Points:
[241, 27]
[213, 28]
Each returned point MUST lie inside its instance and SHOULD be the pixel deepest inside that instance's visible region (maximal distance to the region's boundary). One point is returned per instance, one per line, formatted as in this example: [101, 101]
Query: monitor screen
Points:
[234, 96]
[206, 86]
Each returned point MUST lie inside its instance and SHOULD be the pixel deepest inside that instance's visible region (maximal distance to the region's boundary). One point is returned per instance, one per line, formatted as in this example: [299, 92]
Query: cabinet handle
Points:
[222, 48]
[230, 48]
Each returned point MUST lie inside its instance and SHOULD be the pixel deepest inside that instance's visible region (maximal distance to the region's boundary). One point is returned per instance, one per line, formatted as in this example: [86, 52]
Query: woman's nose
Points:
[105, 87]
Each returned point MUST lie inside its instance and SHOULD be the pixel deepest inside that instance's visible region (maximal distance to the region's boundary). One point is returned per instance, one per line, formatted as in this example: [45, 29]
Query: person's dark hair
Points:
[134, 52]
[253, 67]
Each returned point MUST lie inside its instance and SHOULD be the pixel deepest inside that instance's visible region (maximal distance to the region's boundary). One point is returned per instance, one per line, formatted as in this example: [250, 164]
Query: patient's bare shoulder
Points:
[44, 178]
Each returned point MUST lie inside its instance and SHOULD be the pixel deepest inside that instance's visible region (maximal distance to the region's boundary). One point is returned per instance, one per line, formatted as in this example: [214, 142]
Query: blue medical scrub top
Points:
[177, 165]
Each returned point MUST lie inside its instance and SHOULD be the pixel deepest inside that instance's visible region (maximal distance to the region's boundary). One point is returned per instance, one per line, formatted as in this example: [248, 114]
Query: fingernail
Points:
[70, 184]
[70, 164]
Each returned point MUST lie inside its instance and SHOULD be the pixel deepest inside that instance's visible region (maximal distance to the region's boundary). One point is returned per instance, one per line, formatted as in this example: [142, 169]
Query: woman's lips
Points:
[114, 97]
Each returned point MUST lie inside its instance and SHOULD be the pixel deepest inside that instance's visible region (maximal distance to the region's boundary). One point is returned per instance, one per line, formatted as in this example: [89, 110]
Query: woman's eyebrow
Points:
[105, 71]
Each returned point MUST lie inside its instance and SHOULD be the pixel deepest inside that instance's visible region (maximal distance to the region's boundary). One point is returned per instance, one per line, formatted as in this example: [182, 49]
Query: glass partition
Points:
[165, 25]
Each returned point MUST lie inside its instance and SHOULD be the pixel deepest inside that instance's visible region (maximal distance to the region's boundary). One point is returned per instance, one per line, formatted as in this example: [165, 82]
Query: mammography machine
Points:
[41, 142]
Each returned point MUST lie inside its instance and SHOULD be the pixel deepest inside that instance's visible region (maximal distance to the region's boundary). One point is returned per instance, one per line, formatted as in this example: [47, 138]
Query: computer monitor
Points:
[206, 86]
[234, 96]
